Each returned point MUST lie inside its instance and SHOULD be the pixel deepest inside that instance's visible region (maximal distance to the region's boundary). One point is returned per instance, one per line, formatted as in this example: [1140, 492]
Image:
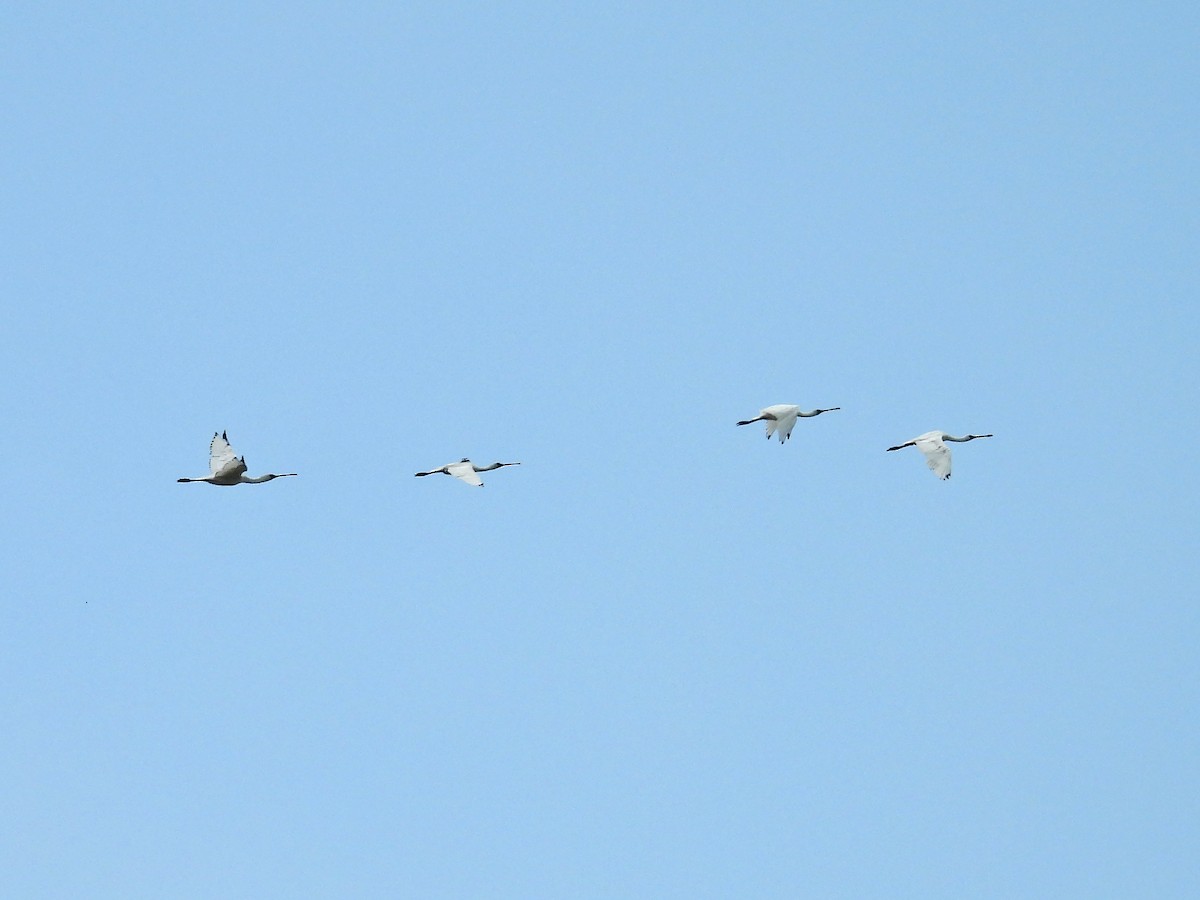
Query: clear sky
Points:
[664, 657]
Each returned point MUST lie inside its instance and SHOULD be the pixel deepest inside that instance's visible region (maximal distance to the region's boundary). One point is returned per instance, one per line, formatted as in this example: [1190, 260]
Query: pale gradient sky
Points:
[663, 657]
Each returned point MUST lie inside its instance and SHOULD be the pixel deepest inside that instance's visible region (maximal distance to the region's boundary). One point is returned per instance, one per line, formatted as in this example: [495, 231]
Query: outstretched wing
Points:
[464, 471]
[937, 456]
[786, 424]
[221, 458]
[781, 419]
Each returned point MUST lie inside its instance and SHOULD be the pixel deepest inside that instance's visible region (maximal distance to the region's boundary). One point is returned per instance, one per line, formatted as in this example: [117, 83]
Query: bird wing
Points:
[464, 471]
[937, 456]
[785, 420]
[233, 471]
[786, 423]
[781, 419]
[221, 456]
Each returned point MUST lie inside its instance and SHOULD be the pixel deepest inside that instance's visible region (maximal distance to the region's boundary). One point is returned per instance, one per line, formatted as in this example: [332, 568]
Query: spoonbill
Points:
[781, 418]
[937, 454]
[464, 470]
[226, 468]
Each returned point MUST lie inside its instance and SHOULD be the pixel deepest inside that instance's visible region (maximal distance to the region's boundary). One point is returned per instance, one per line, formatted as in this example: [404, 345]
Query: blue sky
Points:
[664, 657]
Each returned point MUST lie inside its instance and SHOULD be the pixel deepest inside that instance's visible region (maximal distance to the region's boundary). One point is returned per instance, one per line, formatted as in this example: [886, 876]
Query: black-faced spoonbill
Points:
[937, 454]
[781, 419]
[464, 470]
[226, 468]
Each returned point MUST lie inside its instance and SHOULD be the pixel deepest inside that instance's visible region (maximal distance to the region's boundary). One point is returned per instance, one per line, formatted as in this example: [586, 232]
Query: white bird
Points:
[465, 470]
[781, 419]
[937, 454]
[227, 468]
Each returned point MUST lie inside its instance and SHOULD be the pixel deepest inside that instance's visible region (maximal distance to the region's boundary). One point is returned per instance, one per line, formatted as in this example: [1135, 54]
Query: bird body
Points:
[465, 470]
[226, 468]
[937, 454]
[781, 418]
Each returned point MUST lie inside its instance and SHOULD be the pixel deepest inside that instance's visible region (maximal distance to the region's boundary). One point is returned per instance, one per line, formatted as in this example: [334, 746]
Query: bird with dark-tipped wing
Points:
[465, 470]
[226, 468]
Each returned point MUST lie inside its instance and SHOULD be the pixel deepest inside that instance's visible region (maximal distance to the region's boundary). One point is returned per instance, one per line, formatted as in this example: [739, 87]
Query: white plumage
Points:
[937, 454]
[226, 468]
[781, 419]
[465, 470]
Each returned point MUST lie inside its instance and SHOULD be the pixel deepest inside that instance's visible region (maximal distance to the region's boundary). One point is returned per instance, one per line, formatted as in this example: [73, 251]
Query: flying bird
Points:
[781, 419]
[465, 470]
[937, 454]
[227, 468]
